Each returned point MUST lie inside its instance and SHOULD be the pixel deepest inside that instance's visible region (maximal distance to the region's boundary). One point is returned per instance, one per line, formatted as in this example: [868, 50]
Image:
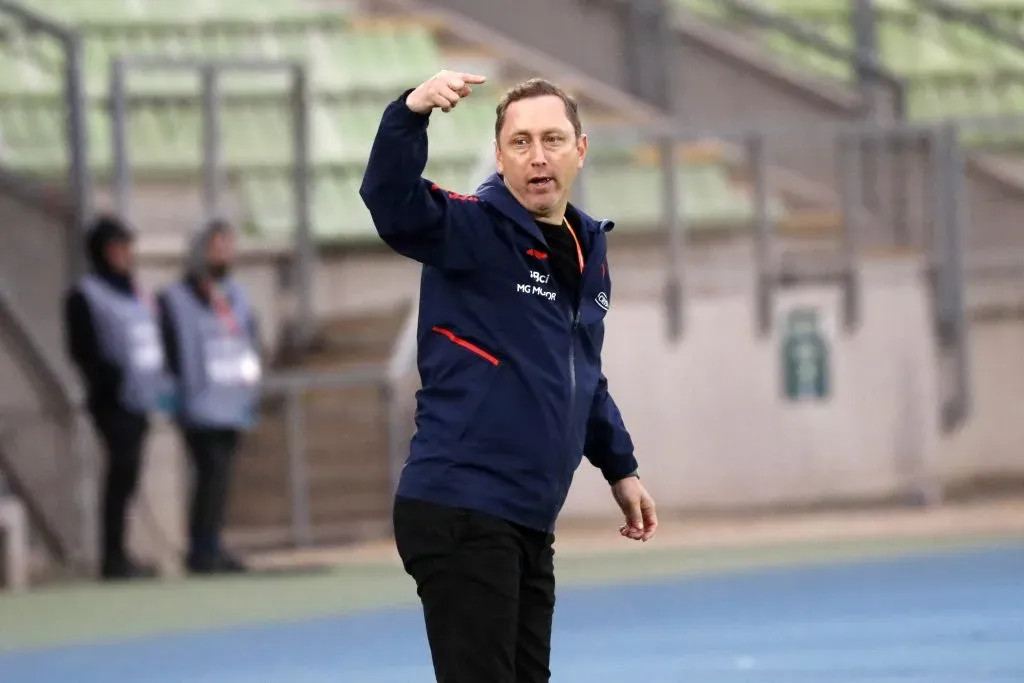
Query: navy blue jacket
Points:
[512, 390]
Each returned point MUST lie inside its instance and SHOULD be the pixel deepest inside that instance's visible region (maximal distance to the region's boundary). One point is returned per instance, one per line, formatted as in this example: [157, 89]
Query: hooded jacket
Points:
[102, 379]
[513, 396]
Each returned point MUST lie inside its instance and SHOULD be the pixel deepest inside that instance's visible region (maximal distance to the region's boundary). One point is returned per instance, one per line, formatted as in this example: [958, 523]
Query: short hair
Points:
[537, 87]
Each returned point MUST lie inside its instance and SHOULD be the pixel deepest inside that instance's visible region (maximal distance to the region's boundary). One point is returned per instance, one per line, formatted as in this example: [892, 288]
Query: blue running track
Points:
[950, 617]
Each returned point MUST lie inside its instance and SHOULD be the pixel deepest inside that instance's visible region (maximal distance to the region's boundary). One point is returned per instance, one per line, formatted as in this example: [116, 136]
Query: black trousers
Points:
[212, 453]
[123, 435]
[487, 588]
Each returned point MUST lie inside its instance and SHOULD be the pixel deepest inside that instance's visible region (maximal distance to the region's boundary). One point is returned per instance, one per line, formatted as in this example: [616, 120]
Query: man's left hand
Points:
[638, 507]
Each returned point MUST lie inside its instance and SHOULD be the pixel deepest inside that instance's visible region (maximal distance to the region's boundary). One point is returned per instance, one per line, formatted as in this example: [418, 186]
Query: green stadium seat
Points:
[803, 7]
[148, 11]
[462, 134]
[601, 151]
[21, 75]
[74, 12]
[709, 9]
[338, 60]
[31, 139]
[376, 60]
[633, 195]
[953, 69]
[355, 69]
[338, 211]
[815, 60]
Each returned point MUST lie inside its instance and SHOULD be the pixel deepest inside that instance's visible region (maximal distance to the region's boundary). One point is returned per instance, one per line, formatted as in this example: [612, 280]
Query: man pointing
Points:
[515, 287]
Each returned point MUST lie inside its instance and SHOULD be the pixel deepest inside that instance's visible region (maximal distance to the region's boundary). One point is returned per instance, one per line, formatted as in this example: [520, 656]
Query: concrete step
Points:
[345, 438]
[259, 510]
[282, 536]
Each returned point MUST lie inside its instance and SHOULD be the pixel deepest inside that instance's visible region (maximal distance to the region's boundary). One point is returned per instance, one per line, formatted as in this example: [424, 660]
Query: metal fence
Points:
[344, 436]
[211, 95]
[60, 50]
[883, 93]
[40, 449]
[319, 421]
[867, 189]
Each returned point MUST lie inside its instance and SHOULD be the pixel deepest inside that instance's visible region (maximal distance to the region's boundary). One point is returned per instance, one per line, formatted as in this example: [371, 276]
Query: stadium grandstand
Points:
[857, 163]
[356, 63]
[951, 65]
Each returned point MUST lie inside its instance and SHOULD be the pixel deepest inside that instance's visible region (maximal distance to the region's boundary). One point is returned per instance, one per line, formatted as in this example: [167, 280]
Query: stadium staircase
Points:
[346, 447]
[37, 388]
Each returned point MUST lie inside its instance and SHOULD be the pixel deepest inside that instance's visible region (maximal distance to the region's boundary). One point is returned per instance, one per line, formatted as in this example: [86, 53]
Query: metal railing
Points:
[381, 423]
[344, 435]
[211, 72]
[834, 59]
[817, 51]
[78, 173]
[62, 531]
[294, 390]
[647, 55]
[286, 395]
[973, 35]
[930, 158]
[70, 208]
[646, 23]
[965, 16]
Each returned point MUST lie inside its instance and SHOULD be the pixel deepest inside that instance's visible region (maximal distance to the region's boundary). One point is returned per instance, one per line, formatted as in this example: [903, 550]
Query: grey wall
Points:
[707, 416]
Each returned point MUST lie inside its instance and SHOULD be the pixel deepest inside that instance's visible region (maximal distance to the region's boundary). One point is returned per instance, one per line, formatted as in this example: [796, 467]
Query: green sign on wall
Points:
[805, 357]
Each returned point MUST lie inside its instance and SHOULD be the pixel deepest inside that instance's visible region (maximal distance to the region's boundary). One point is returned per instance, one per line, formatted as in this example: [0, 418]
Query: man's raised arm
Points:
[414, 217]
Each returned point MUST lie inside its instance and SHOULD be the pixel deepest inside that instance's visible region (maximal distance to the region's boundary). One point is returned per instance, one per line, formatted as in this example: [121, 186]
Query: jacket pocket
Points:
[456, 376]
[469, 346]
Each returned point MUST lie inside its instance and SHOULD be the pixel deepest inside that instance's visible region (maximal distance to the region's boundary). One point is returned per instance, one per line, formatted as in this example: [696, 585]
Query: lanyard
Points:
[222, 307]
[579, 250]
[144, 297]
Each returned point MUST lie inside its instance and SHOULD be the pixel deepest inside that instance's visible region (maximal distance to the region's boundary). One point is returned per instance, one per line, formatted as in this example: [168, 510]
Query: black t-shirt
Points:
[565, 259]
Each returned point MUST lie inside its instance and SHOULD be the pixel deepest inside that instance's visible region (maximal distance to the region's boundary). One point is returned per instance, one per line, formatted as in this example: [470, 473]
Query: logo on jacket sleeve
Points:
[602, 300]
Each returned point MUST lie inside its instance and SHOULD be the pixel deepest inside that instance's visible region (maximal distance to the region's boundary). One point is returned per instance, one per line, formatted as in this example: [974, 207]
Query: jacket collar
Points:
[122, 283]
[496, 193]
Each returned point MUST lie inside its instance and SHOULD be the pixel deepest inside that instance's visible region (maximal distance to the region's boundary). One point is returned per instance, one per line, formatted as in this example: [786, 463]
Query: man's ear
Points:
[581, 149]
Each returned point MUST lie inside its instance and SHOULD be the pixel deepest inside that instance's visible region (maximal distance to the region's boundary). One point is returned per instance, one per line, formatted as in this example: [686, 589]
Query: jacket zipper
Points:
[574, 316]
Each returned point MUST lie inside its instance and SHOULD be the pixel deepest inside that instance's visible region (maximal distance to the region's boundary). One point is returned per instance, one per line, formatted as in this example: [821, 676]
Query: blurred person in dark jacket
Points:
[113, 339]
[212, 340]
